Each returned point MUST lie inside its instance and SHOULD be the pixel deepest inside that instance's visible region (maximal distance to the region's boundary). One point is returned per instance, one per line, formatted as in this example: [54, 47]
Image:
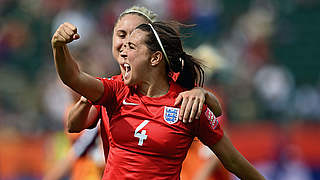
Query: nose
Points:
[123, 47]
[123, 53]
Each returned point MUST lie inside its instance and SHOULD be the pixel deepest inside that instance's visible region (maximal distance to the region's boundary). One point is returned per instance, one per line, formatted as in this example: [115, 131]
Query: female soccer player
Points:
[191, 101]
[83, 115]
[147, 140]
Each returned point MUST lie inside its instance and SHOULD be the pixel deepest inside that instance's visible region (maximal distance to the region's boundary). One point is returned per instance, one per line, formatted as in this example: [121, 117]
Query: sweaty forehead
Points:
[129, 22]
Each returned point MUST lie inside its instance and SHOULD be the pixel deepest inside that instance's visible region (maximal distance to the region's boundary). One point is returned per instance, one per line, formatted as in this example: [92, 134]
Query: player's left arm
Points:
[192, 103]
[233, 161]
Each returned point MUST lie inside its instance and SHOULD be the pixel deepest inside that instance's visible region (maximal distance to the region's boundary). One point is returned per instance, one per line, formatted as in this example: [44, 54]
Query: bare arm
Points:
[233, 161]
[192, 102]
[213, 104]
[82, 116]
[68, 69]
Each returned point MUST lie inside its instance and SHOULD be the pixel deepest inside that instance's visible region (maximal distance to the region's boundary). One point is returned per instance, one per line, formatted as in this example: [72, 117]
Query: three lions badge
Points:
[171, 114]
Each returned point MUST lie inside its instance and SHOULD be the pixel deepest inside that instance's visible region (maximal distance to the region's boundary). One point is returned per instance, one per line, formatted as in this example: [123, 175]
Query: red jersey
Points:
[146, 140]
[104, 117]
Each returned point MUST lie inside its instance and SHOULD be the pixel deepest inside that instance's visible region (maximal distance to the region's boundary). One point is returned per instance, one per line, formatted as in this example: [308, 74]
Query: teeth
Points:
[127, 67]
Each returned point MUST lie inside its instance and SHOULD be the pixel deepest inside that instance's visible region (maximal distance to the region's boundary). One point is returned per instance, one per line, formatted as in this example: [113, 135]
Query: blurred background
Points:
[263, 65]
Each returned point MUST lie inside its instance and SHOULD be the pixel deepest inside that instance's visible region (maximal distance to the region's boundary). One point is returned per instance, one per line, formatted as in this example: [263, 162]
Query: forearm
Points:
[233, 161]
[243, 169]
[78, 117]
[67, 68]
[71, 75]
[213, 103]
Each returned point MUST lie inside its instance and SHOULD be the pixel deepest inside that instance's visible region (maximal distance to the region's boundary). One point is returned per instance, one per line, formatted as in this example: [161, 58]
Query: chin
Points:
[126, 82]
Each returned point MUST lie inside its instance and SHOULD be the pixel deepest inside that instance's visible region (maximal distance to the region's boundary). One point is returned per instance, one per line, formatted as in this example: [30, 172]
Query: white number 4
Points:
[142, 136]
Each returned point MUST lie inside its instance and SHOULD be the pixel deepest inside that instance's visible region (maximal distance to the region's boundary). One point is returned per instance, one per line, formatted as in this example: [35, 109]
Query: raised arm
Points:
[192, 102]
[82, 116]
[233, 161]
[68, 69]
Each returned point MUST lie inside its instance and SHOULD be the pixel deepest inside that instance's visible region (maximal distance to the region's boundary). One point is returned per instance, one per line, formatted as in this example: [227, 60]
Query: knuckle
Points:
[74, 28]
[62, 27]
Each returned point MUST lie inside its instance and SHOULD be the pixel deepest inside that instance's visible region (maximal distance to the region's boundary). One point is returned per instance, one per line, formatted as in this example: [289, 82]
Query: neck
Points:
[155, 86]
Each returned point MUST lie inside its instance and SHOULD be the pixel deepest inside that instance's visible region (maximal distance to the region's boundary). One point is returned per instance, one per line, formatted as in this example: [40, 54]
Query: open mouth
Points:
[127, 69]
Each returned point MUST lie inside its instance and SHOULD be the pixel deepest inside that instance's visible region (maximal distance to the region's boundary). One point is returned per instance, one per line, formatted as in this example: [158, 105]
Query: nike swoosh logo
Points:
[130, 104]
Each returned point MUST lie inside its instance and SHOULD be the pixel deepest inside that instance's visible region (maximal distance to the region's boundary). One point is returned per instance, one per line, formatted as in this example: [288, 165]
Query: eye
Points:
[131, 46]
[121, 34]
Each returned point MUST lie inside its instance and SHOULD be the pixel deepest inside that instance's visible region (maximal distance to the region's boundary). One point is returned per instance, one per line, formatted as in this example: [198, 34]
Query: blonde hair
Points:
[142, 11]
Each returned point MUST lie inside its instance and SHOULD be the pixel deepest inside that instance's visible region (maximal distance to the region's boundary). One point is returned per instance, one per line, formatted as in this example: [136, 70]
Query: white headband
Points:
[136, 11]
[161, 46]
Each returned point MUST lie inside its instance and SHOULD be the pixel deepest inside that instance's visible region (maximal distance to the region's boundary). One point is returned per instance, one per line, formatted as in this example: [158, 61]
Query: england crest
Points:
[211, 118]
[171, 114]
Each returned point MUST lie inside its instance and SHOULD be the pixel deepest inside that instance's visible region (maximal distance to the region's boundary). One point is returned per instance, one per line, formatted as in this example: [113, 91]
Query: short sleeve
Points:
[208, 129]
[110, 87]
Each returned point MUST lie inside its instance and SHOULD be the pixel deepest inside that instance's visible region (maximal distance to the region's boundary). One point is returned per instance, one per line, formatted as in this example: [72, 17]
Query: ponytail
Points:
[191, 72]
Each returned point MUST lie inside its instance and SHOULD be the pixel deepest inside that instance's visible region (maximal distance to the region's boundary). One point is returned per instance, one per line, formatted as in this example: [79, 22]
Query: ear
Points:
[156, 58]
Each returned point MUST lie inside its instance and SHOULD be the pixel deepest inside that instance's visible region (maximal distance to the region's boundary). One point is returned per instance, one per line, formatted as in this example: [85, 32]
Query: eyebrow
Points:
[121, 31]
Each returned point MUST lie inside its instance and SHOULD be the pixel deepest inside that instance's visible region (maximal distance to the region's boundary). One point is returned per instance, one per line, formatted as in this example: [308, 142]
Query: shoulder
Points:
[114, 80]
[113, 87]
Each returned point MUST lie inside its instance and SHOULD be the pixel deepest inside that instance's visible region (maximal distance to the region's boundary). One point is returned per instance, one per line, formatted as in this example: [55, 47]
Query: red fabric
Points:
[145, 138]
[105, 121]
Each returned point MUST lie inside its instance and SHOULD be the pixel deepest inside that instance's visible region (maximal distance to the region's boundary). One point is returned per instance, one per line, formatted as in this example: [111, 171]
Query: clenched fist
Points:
[66, 33]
